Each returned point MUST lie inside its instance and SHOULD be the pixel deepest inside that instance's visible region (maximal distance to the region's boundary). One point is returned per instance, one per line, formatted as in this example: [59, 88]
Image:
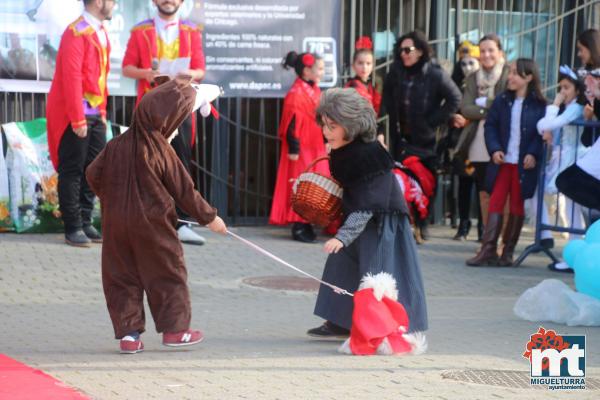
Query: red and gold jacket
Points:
[82, 67]
[142, 48]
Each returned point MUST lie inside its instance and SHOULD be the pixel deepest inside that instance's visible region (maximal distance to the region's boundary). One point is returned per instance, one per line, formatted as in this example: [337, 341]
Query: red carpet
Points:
[20, 382]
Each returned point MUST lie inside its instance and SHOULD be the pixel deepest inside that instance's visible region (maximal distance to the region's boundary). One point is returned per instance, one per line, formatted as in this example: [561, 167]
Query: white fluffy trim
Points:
[383, 284]
[345, 347]
[417, 341]
[385, 349]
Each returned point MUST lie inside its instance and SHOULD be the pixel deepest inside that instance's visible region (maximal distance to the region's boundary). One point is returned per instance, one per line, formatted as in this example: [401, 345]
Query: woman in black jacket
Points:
[419, 97]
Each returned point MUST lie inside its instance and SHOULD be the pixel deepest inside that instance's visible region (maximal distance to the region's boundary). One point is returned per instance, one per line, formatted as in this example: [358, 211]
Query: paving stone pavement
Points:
[53, 317]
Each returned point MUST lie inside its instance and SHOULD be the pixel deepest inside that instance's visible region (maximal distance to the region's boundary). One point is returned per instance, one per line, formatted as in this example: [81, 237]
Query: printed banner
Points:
[33, 200]
[244, 42]
[5, 221]
[28, 181]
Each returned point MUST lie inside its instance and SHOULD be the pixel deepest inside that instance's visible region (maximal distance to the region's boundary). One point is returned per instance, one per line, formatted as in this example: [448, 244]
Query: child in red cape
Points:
[301, 141]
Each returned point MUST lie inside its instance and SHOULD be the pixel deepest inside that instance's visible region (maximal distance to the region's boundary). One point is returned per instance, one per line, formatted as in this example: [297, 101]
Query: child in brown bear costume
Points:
[139, 180]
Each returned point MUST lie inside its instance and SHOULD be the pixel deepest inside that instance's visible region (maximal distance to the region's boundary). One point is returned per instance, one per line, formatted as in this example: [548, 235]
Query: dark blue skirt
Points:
[386, 245]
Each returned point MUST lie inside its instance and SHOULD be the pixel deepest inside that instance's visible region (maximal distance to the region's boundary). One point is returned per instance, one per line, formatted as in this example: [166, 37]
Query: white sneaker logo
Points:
[186, 337]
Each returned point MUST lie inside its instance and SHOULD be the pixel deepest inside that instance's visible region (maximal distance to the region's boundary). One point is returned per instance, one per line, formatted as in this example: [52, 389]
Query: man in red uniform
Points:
[158, 46]
[76, 116]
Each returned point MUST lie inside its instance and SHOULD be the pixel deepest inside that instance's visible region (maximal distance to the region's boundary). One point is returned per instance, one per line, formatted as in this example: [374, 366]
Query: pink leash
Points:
[279, 260]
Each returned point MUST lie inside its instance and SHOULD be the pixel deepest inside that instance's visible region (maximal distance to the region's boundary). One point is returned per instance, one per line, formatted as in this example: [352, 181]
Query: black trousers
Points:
[465, 189]
[182, 144]
[75, 198]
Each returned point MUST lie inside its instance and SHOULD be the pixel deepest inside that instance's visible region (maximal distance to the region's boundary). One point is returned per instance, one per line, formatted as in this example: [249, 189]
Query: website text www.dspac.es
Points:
[255, 86]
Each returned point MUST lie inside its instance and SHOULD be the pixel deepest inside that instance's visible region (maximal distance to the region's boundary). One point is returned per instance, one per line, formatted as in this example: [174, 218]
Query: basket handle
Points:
[312, 164]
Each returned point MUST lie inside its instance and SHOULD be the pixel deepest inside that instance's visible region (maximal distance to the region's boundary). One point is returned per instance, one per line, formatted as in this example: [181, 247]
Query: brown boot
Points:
[510, 238]
[488, 255]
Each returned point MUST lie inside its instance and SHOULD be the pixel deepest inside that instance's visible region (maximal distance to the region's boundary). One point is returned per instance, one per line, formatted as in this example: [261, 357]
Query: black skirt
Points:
[579, 186]
[386, 245]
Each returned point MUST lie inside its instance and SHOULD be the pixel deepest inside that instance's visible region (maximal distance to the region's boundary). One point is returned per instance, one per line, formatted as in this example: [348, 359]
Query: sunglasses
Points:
[469, 63]
[407, 50]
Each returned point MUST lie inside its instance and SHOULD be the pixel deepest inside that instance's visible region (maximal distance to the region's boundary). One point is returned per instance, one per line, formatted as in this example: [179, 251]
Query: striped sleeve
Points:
[353, 226]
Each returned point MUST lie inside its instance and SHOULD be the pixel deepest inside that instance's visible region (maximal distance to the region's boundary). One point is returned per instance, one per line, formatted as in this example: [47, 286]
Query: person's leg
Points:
[72, 153]
[97, 141]
[422, 224]
[123, 289]
[563, 210]
[303, 232]
[500, 191]
[571, 208]
[516, 217]
[479, 218]
[341, 269]
[517, 204]
[404, 265]
[465, 189]
[484, 204]
[578, 221]
[487, 254]
[546, 235]
[164, 277]
[182, 144]
[451, 200]
[168, 295]
[482, 197]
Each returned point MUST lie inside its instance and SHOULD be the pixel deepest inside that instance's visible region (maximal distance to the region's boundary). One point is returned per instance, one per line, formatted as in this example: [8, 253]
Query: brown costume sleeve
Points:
[180, 185]
[93, 173]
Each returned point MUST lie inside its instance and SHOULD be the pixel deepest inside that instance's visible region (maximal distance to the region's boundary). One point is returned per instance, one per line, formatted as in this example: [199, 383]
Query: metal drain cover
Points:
[512, 379]
[283, 283]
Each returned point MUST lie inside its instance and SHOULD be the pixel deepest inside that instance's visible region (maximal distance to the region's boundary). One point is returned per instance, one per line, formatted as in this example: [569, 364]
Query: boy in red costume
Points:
[158, 43]
[76, 116]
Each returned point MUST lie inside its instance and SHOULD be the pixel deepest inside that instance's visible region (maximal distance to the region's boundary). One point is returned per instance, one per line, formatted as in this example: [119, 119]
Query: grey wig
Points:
[350, 110]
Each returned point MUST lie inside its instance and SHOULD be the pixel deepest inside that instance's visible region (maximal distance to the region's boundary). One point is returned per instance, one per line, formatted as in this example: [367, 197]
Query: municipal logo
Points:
[557, 361]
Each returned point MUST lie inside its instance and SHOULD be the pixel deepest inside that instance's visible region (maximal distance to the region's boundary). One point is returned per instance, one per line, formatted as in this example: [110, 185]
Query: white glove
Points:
[481, 101]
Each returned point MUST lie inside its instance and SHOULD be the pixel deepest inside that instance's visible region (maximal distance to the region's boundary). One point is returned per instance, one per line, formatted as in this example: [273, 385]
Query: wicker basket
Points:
[317, 198]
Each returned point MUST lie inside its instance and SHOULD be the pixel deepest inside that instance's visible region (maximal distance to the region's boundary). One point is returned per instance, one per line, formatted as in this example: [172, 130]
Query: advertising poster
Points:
[244, 41]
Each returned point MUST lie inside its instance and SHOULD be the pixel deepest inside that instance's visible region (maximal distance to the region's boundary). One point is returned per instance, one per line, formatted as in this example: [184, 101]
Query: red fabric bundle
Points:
[374, 320]
[425, 177]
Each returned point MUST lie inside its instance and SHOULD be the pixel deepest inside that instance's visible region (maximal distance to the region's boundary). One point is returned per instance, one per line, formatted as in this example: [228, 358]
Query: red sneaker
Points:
[131, 346]
[185, 338]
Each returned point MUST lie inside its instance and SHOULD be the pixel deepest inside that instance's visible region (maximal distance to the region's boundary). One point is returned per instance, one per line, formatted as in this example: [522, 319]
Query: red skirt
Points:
[288, 171]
